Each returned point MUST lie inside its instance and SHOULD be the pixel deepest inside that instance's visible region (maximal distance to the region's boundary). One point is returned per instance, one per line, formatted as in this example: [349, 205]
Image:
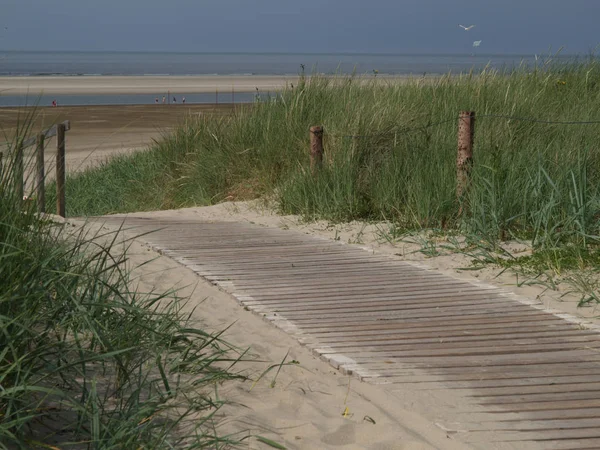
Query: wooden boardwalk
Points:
[534, 374]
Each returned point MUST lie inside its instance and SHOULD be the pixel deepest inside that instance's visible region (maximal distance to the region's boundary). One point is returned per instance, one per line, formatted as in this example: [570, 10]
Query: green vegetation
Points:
[85, 361]
[530, 180]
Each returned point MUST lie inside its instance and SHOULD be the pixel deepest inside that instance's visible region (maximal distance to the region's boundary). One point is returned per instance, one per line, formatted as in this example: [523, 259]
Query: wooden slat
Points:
[50, 132]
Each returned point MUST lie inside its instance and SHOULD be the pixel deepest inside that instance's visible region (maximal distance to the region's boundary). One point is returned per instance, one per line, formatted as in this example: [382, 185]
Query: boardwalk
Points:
[532, 376]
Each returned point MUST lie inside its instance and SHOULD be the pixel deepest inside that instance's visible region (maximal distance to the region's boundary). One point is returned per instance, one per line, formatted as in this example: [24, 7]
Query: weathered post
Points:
[60, 169]
[18, 172]
[316, 148]
[40, 188]
[464, 160]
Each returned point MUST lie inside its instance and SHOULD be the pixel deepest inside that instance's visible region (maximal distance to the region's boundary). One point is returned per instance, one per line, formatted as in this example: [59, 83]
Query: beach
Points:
[154, 85]
[99, 132]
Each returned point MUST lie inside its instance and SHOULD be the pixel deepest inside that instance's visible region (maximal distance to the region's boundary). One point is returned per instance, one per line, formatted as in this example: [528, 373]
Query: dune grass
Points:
[87, 362]
[531, 180]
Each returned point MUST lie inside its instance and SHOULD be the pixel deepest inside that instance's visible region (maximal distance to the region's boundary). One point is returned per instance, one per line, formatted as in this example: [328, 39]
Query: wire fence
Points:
[406, 130]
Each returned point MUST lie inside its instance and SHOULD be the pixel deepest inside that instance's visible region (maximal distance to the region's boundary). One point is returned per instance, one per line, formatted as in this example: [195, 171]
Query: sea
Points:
[81, 64]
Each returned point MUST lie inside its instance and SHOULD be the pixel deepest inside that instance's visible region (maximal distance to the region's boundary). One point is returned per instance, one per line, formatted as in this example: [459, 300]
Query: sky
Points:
[301, 26]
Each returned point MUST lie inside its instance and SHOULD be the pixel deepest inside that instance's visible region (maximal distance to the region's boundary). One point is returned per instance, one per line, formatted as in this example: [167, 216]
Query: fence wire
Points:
[455, 118]
[531, 119]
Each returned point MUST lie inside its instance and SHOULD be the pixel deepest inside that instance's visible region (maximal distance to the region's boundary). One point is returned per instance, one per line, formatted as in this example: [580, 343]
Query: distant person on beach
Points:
[164, 100]
[183, 100]
[54, 104]
[174, 100]
[156, 100]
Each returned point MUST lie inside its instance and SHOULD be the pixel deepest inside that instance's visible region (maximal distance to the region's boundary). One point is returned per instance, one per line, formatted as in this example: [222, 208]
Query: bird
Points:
[467, 28]
[477, 43]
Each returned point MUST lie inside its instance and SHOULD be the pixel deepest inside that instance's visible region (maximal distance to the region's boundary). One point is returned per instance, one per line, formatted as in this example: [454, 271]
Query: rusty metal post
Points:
[464, 160]
[40, 189]
[60, 169]
[316, 148]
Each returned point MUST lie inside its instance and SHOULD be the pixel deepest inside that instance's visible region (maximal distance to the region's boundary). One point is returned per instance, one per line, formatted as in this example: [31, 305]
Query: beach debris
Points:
[470, 27]
[477, 43]
[369, 419]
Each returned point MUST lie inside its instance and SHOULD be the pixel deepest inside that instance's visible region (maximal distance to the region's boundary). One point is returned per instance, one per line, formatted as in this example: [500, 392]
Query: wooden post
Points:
[40, 188]
[60, 169]
[464, 160]
[18, 170]
[316, 148]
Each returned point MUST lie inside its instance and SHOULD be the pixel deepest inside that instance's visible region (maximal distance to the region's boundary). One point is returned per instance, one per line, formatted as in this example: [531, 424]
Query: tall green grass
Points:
[530, 180]
[86, 361]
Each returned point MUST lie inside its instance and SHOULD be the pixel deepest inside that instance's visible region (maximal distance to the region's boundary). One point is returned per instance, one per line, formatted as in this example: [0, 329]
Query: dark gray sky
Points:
[374, 26]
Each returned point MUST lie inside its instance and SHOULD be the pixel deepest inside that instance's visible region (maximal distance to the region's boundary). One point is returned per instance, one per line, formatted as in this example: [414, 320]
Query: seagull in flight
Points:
[467, 28]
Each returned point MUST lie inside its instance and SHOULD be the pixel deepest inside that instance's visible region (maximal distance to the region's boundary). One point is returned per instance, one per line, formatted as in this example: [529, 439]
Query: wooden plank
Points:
[400, 313]
[60, 170]
[425, 341]
[517, 352]
[40, 188]
[50, 132]
[371, 290]
[507, 400]
[449, 332]
[466, 324]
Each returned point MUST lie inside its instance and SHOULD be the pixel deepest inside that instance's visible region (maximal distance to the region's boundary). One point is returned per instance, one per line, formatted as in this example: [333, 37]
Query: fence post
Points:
[40, 188]
[464, 160]
[60, 169]
[19, 170]
[316, 148]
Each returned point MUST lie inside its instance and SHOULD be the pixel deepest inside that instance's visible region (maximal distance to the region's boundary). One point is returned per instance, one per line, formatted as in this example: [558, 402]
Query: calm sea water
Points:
[110, 63]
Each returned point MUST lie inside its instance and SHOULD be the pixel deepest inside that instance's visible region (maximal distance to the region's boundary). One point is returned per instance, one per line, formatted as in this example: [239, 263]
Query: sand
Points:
[140, 84]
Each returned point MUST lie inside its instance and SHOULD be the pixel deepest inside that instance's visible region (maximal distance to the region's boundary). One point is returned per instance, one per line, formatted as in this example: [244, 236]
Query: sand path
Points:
[490, 369]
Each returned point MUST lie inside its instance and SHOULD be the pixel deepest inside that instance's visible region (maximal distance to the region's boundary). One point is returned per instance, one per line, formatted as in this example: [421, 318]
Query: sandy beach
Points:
[99, 132]
[140, 84]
